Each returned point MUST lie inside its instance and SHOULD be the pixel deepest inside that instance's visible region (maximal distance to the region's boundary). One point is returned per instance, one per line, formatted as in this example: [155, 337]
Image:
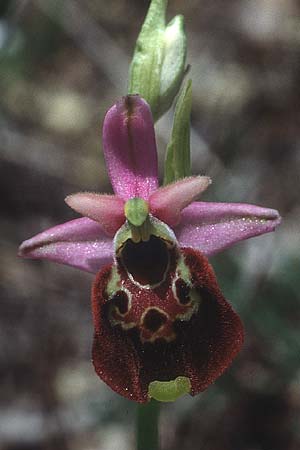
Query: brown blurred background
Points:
[62, 64]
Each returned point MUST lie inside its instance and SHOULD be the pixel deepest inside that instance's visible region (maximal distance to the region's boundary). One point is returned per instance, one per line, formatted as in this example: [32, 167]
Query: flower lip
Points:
[130, 357]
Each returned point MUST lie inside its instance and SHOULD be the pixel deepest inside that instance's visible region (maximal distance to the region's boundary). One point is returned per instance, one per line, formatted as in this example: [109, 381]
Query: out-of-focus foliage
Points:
[62, 64]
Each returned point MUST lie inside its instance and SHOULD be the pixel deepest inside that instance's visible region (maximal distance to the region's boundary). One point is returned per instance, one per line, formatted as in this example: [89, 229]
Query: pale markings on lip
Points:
[113, 308]
[159, 314]
[155, 337]
[114, 283]
[183, 273]
[181, 291]
[155, 334]
[192, 307]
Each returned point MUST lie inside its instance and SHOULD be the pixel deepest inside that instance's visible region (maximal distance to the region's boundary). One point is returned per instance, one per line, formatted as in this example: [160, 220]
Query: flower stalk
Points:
[147, 435]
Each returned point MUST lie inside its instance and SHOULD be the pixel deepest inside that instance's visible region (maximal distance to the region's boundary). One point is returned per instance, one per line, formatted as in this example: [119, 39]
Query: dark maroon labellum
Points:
[178, 324]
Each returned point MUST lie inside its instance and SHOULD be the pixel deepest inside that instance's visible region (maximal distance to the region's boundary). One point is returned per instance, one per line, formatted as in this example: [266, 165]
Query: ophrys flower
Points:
[158, 311]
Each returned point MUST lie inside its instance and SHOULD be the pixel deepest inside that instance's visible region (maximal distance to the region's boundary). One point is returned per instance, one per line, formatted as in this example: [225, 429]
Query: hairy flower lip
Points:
[202, 349]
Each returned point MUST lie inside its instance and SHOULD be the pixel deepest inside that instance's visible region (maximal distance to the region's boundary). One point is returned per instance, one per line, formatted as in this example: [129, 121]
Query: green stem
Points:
[147, 426]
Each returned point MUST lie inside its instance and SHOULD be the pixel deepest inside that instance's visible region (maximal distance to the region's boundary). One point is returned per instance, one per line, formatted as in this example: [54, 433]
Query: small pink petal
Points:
[108, 210]
[166, 203]
[79, 243]
[212, 227]
[130, 149]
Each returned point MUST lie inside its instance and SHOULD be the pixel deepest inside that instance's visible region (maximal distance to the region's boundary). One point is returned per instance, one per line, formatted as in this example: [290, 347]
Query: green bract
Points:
[178, 161]
[158, 63]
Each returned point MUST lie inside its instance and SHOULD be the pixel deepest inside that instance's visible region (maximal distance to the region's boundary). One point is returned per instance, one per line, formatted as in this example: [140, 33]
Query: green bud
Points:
[169, 391]
[173, 67]
[158, 63]
[178, 159]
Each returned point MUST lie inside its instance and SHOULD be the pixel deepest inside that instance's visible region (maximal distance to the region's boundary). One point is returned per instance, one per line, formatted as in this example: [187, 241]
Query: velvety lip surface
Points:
[204, 346]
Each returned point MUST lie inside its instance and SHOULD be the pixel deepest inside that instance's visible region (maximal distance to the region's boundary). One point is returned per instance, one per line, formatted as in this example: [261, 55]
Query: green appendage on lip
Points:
[169, 391]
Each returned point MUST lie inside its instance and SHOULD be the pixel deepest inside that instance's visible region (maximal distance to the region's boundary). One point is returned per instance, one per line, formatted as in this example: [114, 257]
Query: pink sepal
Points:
[79, 243]
[212, 227]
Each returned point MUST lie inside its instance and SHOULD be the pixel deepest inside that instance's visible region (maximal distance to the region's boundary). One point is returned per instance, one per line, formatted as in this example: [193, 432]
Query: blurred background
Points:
[63, 63]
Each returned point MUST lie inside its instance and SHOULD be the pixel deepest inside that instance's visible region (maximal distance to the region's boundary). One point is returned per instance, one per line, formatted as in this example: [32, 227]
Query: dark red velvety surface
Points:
[204, 346]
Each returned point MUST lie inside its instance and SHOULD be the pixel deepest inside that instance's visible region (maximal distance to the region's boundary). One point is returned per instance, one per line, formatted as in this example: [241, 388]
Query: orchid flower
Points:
[162, 325]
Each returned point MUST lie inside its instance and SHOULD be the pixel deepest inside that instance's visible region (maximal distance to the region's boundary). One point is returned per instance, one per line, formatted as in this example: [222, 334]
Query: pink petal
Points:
[108, 210]
[212, 227]
[130, 148]
[167, 202]
[79, 243]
